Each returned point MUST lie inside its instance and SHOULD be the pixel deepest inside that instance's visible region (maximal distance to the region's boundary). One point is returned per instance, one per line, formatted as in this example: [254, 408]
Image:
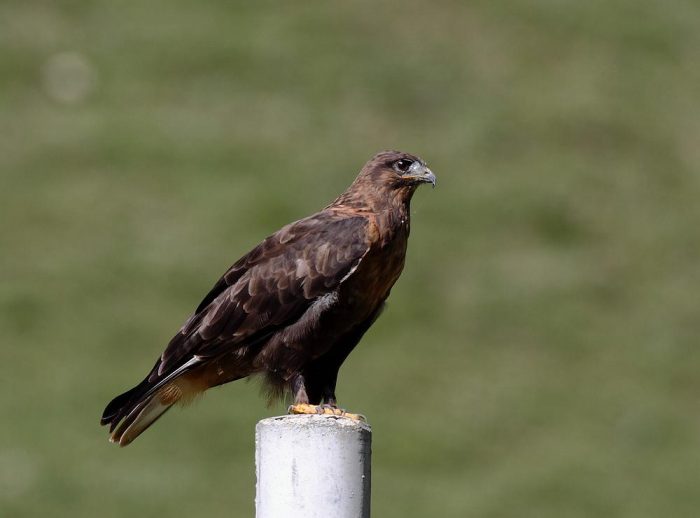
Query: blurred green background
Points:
[539, 356]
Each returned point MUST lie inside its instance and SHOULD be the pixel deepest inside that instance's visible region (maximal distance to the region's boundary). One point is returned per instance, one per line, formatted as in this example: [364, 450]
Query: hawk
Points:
[291, 309]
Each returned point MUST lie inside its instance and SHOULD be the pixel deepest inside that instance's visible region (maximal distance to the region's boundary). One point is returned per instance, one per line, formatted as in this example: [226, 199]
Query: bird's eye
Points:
[403, 165]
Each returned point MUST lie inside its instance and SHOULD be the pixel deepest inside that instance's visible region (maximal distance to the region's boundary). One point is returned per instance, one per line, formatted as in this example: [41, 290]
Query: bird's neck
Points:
[394, 200]
[390, 208]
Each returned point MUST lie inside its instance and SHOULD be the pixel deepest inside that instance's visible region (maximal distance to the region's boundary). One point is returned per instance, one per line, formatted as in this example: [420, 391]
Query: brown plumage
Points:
[294, 307]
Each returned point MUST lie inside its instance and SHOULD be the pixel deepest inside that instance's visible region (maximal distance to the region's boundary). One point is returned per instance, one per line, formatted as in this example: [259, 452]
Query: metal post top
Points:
[301, 421]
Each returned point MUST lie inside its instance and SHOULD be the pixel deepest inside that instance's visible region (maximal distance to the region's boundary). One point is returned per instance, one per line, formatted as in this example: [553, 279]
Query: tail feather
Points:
[115, 409]
[139, 419]
[131, 413]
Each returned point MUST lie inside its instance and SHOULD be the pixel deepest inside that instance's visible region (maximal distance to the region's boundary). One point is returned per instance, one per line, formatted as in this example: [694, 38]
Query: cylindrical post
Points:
[312, 466]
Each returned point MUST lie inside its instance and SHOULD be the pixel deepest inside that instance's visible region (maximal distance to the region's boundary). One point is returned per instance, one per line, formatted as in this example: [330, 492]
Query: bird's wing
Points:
[269, 288]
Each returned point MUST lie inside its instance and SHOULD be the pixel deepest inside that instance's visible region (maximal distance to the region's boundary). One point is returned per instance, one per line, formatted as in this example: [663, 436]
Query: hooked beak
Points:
[421, 173]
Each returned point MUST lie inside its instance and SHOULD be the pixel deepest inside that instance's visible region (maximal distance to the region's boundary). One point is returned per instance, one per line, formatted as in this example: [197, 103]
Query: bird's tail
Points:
[138, 419]
[131, 413]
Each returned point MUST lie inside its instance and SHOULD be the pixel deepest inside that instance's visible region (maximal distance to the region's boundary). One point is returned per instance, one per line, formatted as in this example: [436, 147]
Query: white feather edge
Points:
[147, 416]
[352, 270]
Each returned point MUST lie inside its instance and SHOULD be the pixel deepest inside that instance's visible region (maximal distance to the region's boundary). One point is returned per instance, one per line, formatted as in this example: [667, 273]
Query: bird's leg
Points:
[329, 403]
[301, 399]
[327, 406]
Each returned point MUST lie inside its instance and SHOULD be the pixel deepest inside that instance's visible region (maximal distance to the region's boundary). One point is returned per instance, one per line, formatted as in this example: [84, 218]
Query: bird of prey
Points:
[291, 309]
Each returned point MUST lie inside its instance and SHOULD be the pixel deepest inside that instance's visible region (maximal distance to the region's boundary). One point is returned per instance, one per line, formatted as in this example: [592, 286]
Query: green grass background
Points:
[539, 356]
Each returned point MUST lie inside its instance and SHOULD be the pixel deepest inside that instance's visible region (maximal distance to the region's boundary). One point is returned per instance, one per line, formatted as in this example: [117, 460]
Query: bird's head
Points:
[397, 170]
[389, 177]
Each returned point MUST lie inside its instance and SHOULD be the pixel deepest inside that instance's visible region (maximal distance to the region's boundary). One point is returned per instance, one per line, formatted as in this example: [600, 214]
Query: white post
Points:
[312, 466]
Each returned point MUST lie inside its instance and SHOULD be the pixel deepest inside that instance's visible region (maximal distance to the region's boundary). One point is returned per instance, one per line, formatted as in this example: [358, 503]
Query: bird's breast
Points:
[377, 272]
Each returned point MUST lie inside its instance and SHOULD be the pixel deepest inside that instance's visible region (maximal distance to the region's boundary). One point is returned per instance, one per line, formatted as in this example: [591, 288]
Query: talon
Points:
[328, 409]
[324, 409]
[303, 408]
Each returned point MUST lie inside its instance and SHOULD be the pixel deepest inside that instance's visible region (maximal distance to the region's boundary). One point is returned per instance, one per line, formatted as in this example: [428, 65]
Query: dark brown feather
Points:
[292, 308]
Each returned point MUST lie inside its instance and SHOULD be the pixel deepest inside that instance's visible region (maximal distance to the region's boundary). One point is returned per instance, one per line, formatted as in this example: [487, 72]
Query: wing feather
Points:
[270, 287]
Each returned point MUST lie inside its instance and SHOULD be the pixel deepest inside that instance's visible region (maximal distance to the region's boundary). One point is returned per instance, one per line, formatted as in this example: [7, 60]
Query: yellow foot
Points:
[323, 410]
